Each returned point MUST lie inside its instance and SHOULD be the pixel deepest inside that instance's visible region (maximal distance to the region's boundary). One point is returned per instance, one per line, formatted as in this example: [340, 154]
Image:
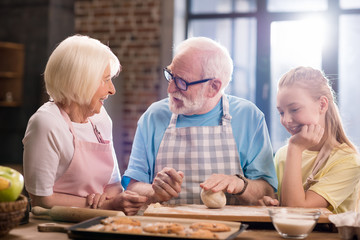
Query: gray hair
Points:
[214, 58]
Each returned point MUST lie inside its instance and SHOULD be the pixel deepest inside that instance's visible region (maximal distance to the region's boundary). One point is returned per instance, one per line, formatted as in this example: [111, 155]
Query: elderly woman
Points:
[69, 158]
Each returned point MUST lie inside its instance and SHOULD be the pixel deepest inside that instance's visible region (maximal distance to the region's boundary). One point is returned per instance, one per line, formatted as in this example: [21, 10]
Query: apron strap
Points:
[68, 121]
[173, 120]
[226, 118]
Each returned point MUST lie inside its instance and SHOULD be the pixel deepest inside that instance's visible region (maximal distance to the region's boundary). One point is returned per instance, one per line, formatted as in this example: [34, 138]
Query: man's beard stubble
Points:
[190, 106]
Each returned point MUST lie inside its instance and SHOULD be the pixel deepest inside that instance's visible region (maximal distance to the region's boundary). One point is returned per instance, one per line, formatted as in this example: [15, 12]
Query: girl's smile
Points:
[297, 108]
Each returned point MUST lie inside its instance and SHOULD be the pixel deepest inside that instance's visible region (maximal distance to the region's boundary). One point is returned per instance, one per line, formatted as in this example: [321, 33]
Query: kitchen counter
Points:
[29, 231]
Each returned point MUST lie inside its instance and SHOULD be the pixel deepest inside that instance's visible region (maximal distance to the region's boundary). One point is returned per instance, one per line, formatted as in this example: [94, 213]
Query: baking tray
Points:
[80, 231]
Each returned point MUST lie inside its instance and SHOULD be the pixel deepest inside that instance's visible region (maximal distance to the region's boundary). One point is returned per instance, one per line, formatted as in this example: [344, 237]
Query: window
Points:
[238, 35]
[230, 33]
[267, 38]
[289, 39]
[349, 4]
[349, 74]
[296, 5]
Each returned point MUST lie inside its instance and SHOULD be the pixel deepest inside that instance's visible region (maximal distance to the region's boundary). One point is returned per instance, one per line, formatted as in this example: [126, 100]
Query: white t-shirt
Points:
[49, 147]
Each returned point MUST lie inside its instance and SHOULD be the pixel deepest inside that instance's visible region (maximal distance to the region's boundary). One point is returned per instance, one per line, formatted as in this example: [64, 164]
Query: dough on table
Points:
[198, 233]
[120, 220]
[163, 227]
[213, 227]
[213, 200]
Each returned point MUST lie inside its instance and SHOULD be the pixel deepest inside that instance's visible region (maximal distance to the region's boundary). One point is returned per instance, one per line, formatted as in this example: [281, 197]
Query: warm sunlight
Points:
[298, 42]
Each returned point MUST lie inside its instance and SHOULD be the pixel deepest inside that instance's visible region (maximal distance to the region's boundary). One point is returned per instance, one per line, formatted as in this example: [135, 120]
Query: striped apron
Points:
[199, 152]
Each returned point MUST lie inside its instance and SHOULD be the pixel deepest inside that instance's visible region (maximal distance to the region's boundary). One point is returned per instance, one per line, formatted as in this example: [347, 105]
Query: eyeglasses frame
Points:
[186, 83]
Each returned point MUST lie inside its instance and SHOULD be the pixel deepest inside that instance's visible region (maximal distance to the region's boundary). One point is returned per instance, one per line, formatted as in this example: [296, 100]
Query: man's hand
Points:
[221, 182]
[167, 184]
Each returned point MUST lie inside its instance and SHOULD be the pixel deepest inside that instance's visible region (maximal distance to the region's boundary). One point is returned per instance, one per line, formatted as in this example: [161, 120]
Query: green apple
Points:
[11, 184]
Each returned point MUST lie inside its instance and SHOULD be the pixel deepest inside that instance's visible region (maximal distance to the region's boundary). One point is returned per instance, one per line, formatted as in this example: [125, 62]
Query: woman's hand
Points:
[96, 200]
[129, 202]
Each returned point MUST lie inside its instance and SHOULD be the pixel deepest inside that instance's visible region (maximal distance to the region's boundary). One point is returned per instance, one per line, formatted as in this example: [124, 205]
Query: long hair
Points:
[315, 82]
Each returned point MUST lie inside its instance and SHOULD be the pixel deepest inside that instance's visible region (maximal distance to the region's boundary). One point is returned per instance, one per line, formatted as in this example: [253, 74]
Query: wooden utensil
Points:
[73, 214]
[52, 227]
[227, 213]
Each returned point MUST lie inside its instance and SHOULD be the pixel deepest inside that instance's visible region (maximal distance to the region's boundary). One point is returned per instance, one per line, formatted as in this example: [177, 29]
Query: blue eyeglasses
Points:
[181, 83]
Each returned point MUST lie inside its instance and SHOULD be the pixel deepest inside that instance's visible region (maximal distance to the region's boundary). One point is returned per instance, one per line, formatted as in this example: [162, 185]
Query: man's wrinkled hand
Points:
[222, 182]
[167, 184]
[129, 202]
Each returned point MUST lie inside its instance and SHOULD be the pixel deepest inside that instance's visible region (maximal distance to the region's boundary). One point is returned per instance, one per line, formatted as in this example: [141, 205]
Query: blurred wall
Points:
[39, 25]
[138, 31]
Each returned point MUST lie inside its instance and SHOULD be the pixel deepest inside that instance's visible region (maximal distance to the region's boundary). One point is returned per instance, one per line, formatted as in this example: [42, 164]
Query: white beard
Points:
[190, 106]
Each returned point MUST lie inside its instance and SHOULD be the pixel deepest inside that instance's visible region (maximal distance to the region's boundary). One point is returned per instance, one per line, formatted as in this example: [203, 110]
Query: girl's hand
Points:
[269, 201]
[309, 135]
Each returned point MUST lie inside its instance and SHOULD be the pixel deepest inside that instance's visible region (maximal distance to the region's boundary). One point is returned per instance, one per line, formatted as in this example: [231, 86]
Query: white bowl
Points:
[294, 223]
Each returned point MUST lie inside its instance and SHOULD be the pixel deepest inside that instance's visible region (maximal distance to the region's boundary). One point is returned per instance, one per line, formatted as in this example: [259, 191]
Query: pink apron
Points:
[91, 167]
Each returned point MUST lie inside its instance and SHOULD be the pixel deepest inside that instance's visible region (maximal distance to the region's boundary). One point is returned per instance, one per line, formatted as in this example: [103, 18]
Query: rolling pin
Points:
[73, 214]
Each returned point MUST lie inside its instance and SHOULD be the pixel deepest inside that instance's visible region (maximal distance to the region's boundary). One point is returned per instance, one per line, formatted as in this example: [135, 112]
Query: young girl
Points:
[319, 167]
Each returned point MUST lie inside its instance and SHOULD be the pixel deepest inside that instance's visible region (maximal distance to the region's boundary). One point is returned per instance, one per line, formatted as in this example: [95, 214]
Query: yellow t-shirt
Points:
[337, 180]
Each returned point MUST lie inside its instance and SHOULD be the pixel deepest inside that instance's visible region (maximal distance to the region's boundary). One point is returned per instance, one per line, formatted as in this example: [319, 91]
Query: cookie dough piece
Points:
[198, 233]
[120, 220]
[213, 227]
[123, 228]
[97, 227]
[163, 227]
[213, 200]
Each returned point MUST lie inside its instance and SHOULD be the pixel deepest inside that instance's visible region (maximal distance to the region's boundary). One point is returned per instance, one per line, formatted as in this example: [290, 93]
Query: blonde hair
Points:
[214, 58]
[75, 67]
[315, 82]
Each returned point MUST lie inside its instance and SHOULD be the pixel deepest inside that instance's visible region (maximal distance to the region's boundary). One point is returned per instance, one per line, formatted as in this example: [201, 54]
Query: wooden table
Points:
[29, 231]
[272, 234]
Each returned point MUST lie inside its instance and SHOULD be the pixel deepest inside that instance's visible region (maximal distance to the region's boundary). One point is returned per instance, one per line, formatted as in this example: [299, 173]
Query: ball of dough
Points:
[213, 200]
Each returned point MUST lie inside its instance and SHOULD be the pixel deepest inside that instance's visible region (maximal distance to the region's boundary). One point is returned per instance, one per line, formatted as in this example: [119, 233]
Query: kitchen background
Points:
[265, 39]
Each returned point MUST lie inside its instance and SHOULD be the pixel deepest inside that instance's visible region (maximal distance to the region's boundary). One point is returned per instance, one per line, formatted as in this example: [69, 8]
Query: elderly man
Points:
[199, 137]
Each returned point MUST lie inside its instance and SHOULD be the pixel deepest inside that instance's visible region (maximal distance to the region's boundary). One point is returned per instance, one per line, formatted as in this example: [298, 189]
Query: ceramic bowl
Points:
[295, 223]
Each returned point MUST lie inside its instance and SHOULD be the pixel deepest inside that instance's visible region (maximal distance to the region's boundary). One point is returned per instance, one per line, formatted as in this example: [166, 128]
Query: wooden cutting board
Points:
[227, 213]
